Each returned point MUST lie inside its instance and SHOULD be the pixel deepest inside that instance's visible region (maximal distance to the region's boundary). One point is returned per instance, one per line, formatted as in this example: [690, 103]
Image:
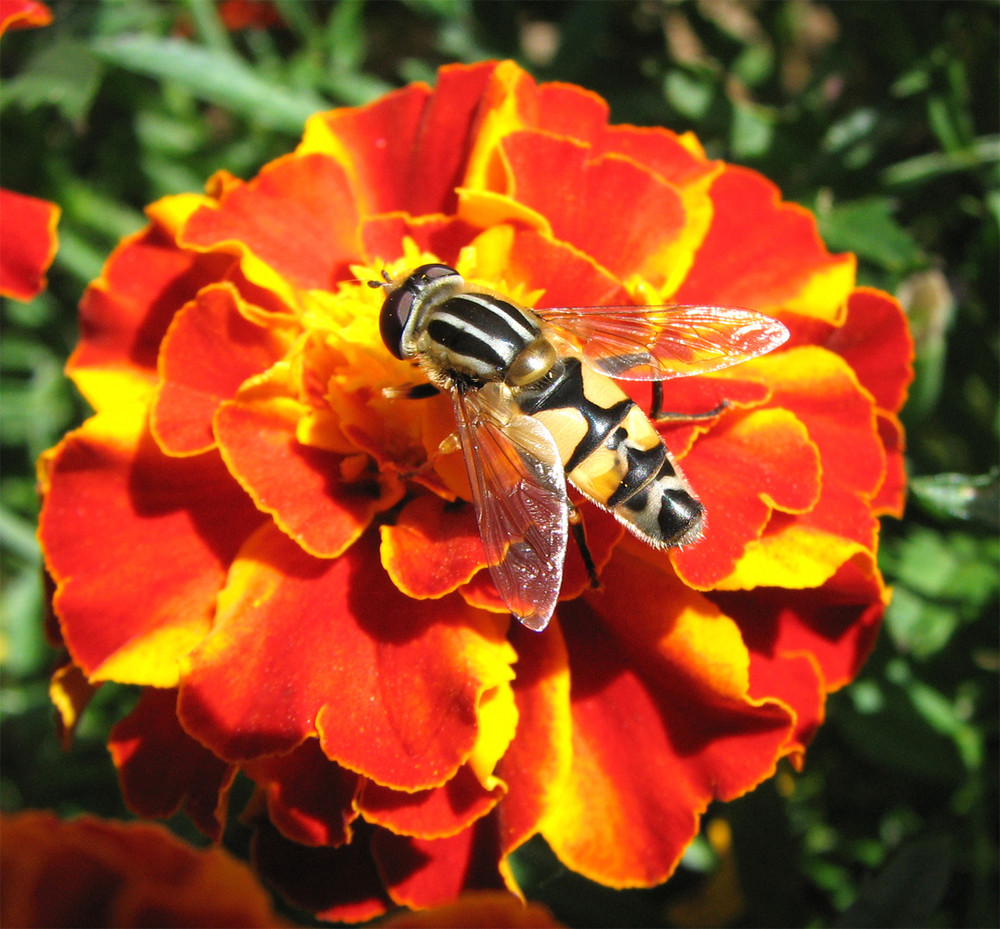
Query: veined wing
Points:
[519, 494]
[653, 343]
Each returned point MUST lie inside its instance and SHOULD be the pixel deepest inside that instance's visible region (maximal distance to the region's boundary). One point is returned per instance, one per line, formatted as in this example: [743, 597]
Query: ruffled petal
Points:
[134, 602]
[210, 349]
[876, 343]
[125, 313]
[785, 267]
[163, 770]
[91, 872]
[406, 150]
[421, 873]
[433, 548]
[321, 499]
[27, 232]
[430, 814]
[430, 662]
[23, 14]
[293, 226]
[659, 695]
[310, 800]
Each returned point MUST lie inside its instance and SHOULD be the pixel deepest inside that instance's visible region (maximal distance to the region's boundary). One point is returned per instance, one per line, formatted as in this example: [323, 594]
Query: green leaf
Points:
[960, 496]
[868, 228]
[443, 9]
[897, 738]
[907, 891]
[64, 74]
[215, 77]
[752, 130]
[690, 94]
[922, 168]
[941, 581]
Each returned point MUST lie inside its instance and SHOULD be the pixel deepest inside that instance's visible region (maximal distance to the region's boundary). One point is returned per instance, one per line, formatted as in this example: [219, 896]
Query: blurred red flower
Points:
[93, 872]
[23, 14]
[238, 528]
[27, 224]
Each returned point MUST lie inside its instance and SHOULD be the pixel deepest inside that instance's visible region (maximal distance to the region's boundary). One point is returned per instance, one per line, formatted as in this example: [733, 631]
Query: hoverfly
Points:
[536, 405]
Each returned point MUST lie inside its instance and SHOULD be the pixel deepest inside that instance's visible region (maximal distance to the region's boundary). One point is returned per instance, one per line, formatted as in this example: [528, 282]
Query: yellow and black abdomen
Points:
[613, 454]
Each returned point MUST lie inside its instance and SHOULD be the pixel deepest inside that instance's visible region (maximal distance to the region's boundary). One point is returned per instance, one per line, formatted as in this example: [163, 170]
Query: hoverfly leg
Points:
[448, 446]
[658, 415]
[410, 392]
[580, 535]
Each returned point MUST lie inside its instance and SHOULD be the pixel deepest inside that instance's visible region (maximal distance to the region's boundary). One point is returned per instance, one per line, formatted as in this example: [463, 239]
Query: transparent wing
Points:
[654, 343]
[519, 494]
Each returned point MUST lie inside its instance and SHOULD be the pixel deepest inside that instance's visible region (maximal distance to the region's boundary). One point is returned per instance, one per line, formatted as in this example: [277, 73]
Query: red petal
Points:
[835, 624]
[875, 340]
[208, 352]
[433, 547]
[430, 814]
[562, 109]
[90, 872]
[407, 151]
[569, 277]
[803, 549]
[317, 497]
[841, 422]
[429, 872]
[298, 216]
[759, 252]
[139, 545]
[309, 798]
[339, 884]
[27, 240]
[390, 684]
[162, 769]
[659, 150]
[795, 680]
[23, 14]
[539, 758]
[891, 496]
[125, 313]
[651, 708]
[566, 185]
[440, 235]
[778, 466]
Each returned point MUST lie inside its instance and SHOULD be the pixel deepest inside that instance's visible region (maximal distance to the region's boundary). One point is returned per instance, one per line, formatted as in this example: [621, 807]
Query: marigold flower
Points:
[23, 14]
[93, 872]
[249, 528]
[27, 243]
[27, 224]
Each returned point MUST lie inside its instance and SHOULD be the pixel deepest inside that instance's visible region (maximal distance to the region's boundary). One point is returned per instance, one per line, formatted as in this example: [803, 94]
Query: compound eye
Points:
[427, 273]
[395, 312]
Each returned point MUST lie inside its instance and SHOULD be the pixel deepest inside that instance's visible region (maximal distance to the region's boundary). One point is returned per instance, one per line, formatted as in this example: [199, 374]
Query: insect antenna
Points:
[385, 282]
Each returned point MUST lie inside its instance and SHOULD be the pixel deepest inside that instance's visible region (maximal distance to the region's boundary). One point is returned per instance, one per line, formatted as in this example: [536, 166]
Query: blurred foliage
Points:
[880, 117]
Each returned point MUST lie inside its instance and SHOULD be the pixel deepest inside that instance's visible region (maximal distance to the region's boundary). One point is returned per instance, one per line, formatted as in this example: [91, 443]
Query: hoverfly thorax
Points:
[468, 335]
[536, 405]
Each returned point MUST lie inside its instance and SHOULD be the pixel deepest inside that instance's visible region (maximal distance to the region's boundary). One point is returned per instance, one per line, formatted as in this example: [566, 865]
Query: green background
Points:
[880, 117]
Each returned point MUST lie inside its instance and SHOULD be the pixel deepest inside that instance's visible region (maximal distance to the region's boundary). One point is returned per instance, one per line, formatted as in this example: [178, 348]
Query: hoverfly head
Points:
[407, 295]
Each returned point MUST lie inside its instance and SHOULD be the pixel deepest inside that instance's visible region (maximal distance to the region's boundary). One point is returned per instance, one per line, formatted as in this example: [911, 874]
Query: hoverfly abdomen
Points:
[665, 512]
[614, 455]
